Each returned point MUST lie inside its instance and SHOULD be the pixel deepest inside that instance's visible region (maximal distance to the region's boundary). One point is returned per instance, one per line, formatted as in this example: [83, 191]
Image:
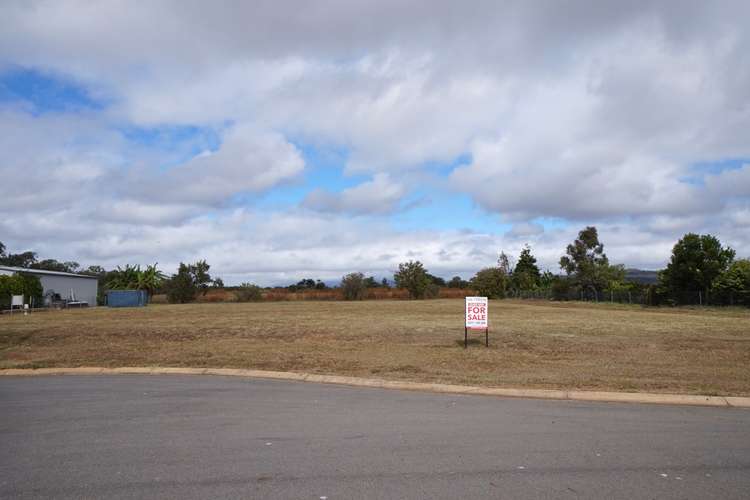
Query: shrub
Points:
[353, 286]
[561, 288]
[491, 282]
[457, 282]
[248, 292]
[413, 276]
[21, 284]
[181, 287]
[732, 287]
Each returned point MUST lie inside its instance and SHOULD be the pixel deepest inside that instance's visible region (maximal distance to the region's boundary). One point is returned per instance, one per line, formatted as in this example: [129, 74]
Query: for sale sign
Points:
[476, 313]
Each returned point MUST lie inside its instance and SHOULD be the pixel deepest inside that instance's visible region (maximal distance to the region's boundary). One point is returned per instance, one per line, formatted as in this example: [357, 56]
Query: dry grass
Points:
[532, 344]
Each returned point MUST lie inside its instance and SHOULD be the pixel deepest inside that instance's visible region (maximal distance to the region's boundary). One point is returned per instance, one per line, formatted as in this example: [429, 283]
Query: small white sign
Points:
[477, 312]
[16, 300]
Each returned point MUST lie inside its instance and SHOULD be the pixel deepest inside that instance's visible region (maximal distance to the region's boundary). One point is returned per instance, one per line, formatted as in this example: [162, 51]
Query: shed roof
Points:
[44, 272]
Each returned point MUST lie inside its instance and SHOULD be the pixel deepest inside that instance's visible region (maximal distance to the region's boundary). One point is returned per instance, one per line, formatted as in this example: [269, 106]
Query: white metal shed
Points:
[69, 286]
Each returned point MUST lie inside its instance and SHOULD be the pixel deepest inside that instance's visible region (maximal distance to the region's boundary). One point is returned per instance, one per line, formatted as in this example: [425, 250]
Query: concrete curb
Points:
[598, 396]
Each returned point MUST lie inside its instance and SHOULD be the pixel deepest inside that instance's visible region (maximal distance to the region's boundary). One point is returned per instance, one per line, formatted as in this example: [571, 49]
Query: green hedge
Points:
[20, 284]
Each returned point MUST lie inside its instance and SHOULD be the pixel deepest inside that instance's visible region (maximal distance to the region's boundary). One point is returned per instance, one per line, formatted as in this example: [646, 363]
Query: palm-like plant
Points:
[135, 278]
[124, 278]
[150, 279]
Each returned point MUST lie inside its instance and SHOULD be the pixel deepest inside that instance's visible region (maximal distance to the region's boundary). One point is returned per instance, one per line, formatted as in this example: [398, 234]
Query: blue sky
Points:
[281, 152]
[44, 92]
[429, 207]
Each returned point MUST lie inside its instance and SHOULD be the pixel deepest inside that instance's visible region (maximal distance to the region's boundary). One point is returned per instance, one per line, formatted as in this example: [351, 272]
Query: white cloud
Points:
[381, 195]
[598, 119]
[248, 160]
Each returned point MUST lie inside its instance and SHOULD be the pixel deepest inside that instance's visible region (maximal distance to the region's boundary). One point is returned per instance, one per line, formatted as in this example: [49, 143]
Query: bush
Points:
[353, 286]
[732, 287]
[181, 287]
[491, 282]
[413, 276]
[457, 282]
[21, 284]
[248, 292]
[562, 288]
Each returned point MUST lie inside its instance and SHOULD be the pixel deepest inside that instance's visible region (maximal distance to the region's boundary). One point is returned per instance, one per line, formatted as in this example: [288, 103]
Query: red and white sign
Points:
[476, 313]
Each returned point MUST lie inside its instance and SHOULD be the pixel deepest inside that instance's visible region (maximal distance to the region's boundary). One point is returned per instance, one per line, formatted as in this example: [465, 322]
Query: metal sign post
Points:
[476, 318]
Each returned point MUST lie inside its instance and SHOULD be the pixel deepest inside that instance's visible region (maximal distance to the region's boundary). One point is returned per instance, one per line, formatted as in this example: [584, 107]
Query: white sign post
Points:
[477, 318]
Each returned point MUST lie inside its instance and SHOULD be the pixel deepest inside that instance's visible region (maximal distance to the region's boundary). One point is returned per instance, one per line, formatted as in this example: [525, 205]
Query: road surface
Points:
[197, 437]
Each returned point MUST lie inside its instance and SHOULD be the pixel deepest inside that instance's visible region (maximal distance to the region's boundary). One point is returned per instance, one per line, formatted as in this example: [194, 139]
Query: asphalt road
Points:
[197, 437]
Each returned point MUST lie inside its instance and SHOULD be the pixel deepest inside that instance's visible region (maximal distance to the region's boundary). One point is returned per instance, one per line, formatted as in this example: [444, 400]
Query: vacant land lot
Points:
[532, 344]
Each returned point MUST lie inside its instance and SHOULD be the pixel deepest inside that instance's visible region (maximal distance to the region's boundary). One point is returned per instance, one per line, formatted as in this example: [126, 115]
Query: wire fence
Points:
[648, 296]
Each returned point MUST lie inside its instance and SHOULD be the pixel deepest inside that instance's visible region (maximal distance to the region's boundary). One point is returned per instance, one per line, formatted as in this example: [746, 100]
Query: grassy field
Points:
[532, 344]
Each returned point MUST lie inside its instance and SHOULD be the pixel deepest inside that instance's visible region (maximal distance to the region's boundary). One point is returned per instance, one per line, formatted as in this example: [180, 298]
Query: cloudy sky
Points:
[282, 140]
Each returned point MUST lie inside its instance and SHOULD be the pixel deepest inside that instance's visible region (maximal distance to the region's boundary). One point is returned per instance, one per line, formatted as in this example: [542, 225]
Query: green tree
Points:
[201, 278]
[20, 284]
[587, 264]
[733, 285]
[696, 261]
[182, 287]
[124, 278]
[436, 280]
[413, 277]
[24, 259]
[306, 284]
[150, 279]
[458, 282]
[94, 271]
[353, 286]
[491, 282]
[132, 277]
[561, 288]
[526, 275]
[546, 280]
[503, 263]
[370, 282]
[54, 265]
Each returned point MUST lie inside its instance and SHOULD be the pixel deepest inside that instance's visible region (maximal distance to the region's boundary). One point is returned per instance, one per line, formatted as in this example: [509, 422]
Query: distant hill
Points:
[641, 276]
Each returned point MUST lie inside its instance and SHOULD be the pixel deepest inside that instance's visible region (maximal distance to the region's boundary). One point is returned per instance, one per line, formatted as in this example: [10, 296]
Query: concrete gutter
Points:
[600, 396]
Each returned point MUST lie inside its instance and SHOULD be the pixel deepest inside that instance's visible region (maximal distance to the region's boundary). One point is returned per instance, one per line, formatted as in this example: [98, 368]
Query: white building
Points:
[68, 286]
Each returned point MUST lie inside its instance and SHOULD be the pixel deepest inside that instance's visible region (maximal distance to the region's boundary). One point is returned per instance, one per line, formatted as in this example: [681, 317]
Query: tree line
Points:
[189, 281]
[700, 270]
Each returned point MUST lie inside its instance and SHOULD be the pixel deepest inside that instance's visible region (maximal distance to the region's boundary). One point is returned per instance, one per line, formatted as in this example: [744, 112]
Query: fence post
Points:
[700, 298]
[630, 298]
[611, 295]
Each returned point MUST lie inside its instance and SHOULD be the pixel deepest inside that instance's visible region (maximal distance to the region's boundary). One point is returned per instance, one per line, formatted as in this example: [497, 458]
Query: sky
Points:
[283, 140]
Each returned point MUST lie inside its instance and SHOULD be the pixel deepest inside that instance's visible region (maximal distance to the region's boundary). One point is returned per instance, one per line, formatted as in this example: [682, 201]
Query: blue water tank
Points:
[127, 298]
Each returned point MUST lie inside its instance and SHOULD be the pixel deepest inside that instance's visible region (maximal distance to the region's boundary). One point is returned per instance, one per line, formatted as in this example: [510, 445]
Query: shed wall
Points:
[84, 289]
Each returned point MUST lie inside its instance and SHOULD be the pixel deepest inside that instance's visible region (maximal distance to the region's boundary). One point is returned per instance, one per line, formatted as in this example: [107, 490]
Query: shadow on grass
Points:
[472, 342]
